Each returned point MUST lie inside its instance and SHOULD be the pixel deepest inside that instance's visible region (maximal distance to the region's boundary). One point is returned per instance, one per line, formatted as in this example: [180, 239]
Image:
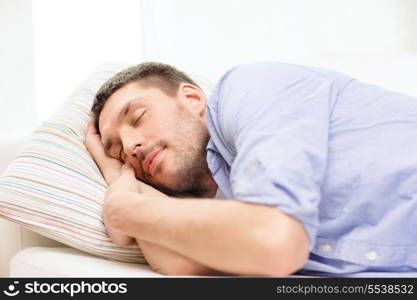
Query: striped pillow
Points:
[54, 187]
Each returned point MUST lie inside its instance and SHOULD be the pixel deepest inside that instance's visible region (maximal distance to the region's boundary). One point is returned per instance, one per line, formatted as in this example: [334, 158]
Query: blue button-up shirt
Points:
[337, 154]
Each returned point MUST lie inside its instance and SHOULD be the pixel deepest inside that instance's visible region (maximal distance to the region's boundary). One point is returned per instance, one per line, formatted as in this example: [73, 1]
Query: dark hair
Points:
[167, 78]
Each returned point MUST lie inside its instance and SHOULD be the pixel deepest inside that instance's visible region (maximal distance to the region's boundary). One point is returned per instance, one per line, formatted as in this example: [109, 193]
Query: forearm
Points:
[230, 236]
[162, 259]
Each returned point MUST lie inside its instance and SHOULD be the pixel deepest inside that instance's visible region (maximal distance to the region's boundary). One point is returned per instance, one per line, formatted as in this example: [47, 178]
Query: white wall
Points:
[47, 47]
[16, 98]
[16, 68]
[56, 43]
[72, 37]
[211, 36]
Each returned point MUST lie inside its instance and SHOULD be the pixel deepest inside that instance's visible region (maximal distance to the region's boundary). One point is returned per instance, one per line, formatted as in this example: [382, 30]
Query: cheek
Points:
[168, 163]
[168, 167]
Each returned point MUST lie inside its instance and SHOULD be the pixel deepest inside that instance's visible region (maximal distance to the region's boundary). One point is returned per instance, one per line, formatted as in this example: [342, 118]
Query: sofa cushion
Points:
[70, 262]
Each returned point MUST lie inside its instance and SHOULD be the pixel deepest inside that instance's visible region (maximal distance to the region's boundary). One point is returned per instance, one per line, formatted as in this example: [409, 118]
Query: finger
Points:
[93, 141]
[91, 127]
[91, 130]
[127, 180]
[96, 150]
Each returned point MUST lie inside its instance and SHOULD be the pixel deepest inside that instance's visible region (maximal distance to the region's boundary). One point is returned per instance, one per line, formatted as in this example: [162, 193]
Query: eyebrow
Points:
[123, 112]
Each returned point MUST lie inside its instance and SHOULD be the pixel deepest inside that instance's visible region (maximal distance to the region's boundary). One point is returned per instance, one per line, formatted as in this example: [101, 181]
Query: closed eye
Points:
[138, 119]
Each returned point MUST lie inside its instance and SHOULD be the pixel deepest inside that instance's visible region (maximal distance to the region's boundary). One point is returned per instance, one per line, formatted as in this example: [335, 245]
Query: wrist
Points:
[111, 175]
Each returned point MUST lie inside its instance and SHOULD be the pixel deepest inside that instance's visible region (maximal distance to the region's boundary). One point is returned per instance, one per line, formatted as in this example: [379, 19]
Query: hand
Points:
[111, 171]
[125, 183]
[117, 193]
[109, 167]
[119, 198]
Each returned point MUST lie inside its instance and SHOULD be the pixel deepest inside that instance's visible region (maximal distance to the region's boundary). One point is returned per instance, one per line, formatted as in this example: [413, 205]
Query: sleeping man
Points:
[283, 169]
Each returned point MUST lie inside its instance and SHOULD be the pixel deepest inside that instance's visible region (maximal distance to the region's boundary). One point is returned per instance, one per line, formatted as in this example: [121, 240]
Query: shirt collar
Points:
[211, 146]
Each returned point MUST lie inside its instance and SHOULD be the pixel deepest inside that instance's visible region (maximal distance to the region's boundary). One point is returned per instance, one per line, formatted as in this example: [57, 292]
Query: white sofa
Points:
[26, 254]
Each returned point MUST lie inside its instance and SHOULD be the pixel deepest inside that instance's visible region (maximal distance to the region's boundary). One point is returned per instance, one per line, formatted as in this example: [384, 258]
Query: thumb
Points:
[127, 180]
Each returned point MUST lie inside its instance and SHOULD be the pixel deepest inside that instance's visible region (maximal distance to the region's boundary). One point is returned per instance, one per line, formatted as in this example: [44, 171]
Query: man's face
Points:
[162, 137]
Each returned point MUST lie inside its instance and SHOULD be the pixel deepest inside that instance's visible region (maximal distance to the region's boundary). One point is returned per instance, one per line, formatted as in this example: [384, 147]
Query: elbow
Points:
[184, 267]
[286, 254]
[284, 261]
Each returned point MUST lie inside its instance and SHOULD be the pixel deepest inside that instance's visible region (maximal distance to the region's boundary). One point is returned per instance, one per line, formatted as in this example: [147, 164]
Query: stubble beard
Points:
[192, 172]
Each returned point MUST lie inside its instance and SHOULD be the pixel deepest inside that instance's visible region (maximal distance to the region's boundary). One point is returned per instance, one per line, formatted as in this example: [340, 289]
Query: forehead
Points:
[135, 94]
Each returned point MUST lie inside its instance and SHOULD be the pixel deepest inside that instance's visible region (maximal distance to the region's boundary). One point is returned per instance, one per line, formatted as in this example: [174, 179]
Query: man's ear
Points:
[193, 98]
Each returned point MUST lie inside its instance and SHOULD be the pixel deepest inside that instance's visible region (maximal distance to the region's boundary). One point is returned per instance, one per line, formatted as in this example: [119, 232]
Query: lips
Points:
[151, 161]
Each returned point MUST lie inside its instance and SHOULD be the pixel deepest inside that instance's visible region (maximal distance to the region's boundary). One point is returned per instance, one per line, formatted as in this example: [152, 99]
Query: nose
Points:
[132, 143]
[132, 149]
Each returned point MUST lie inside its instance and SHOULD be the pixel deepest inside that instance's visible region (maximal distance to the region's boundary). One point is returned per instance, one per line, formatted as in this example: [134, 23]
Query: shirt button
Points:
[326, 247]
[372, 255]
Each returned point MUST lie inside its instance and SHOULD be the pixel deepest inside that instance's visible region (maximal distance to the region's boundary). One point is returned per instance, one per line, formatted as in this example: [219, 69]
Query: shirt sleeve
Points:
[276, 119]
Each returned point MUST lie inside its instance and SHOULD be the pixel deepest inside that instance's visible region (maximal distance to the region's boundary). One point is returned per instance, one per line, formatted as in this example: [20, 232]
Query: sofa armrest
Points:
[10, 233]
[10, 244]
